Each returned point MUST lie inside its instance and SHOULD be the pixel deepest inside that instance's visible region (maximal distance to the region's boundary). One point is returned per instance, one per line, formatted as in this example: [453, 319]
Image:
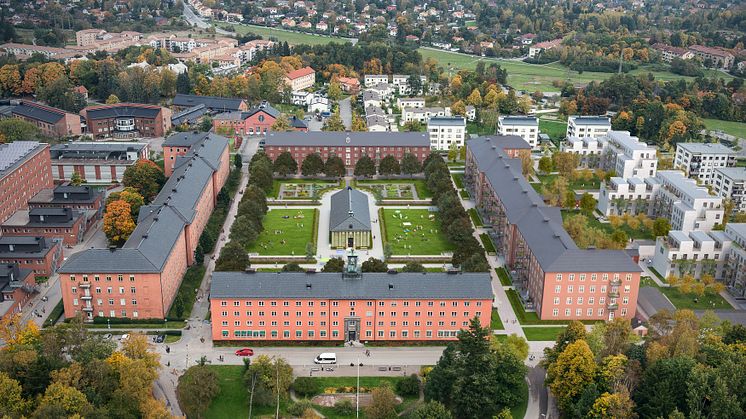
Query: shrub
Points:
[298, 408]
[306, 386]
[344, 407]
[409, 386]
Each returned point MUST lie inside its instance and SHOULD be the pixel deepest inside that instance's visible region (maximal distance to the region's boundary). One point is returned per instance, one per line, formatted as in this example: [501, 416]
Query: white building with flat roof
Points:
[588, 126]
[410, 102]
[422, 115]
[401, 83]
[699, 160]
[445, 132]
[686, 205]
[374, 79]
[526, 127]
[624, 195]
[627, 156]
[734, 273]
[693, 253]
[730, 183]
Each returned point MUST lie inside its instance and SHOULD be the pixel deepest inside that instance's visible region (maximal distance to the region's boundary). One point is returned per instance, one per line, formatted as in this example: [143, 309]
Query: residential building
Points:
[256, 121]
[349, 85]
[349, 220]
[587, 148]
[730, 183]
[127, 120]
[95, 162]
[141, 279]
[446, 132]
[553, 277]
[100, 40]
[713, 57]
[401, 84]
[82, 198]
[526, 127]
[627, 156]
[178, 145]
[699, 160]
[512, 145]
[348, 307]
[694, 252]
[24, 171]
[319, 104]
[371, 80]
[734, 273]
[621, 195]
[37, 254]
[668, 53]
[62, 224]
[384, 90]
[52, 122]
[536, 49]
[300, 79]
[377, 123]
[588, 126]
[422, 115]
[410, 102]
[371, 98]
[471, 113]
[214, 104]
[25, 51]
[349, 146]
[16, 287]
[190, 116]
[685, 204]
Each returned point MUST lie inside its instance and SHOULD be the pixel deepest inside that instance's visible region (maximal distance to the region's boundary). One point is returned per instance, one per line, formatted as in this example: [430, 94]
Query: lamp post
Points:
[357, 391]
[108, 323]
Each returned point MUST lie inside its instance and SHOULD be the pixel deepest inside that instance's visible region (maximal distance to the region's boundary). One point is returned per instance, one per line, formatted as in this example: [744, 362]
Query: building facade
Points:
[627, 156]
[255, 121]
[81, 198]
[339, 307]
[52, 122]
[141, 279]
[446, 132]
[213, 103]
[551, 274]
[52, 223]
[17, 285]
[525, 127]
[127, 120]
[300, 79]
[24, 171]
[95, 162]
[423, 115]
[699, 160]
[41, 256]
[587, 126]
[349, 220]
[713, 57]
[730, 183]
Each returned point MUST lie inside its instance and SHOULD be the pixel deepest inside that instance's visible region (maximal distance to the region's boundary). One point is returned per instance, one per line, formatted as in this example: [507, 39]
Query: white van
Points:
[326, 358]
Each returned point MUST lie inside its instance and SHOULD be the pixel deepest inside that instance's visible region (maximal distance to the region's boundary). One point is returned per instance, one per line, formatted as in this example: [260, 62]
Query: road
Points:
[345, 112]
[194, 20]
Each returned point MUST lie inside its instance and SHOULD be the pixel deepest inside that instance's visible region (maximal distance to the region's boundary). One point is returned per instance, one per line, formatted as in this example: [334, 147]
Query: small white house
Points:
[319, 104]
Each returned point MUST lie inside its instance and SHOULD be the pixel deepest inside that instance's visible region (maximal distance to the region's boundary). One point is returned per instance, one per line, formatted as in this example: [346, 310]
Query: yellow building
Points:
[349, 220]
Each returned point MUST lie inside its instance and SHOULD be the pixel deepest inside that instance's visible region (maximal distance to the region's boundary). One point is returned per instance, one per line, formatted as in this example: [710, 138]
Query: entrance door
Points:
[89, 315]
[350, 242]
[351, 336]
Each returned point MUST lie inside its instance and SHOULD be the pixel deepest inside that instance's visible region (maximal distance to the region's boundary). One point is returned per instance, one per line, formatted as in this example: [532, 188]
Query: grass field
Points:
[556, 130]
[429, 239]
[737, 129]
[638, 233]
[292, 37]
[489, 247]
[542, 333]
[475, 218]
[286, 232]
[422, 191]
[458, 179]
[710, 301]
[495, 322]
[233, 399]
[503, 276]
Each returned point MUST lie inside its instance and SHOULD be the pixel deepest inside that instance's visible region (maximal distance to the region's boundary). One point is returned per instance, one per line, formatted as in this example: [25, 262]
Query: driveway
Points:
[345, 112]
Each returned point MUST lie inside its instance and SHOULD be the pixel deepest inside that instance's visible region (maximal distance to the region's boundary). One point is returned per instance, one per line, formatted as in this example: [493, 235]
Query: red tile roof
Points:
[300, 73]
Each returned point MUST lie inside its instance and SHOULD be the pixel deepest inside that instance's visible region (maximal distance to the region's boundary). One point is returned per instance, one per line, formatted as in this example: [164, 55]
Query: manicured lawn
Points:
[464, 194]
[529, 317]
[729, 127]
[519, 410]
[542, 333]
[419, 185]
[475, 128]
[233, 399]
[639, 233]
[556, 130]
[475, 218]
[504, 278]
[368, 382]
[301, 188]
[495, 322]
[286, 232]
[292, 37]
[489, 247]
[55, 314]
[458, 179]
[709, 301]
[428, 239]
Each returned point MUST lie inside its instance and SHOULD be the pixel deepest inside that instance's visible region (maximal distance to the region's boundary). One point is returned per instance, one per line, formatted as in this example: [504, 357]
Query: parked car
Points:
[124, 337]
[245, 352]
[107, 336]
[160, 339]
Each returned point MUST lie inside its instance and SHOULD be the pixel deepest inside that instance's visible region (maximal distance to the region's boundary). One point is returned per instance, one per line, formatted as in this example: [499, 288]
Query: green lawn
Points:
[556, 130]
[368, 382]
[464, 194]
[292, 37]
[503, 276]
[286, 232]
[489, 247]
[639, 233]
[475, 128]
[187, 290]
[419, 185]
[458, 179]
[475, 218]
[55, 314]
[729, 127]
[429, 239]
[495, 322]
[519, 410]
[542, 333]
[574, 184]
[302, 185]
[710, 301]
[233, 399]
[529, 317]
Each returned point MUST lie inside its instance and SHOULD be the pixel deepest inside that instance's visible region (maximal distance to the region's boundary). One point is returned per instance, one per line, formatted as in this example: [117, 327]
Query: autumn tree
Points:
[574, 369]
[545, 164]
[358, 123]
[383, 404]
[565, 163]
[335, 90]
[118, 222]
[475, 98]
[145, 177]
[282, 124]
[333, 123]
[458, 108]
[661, 227]
[587, 203]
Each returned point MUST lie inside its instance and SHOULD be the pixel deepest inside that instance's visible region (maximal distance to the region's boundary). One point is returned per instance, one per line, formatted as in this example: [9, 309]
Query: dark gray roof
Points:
[94, 151]
[184, 139]
[189, 115]
[448, 121]
[334, 286]
[365, 139]
[24, 247]
[349, 211]
[519, 120]
[214, 103]
[509, 142]
[651, 300]
[135, 110]
[104, 260]
[298, 123]
[39, 112]
[591, 120]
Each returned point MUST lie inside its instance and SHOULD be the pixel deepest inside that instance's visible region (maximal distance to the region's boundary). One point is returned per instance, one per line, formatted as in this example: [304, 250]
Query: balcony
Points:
[613, 294]
[612, 307]
[88, 308]
[84, 285]
[616, 282]
[86, 297]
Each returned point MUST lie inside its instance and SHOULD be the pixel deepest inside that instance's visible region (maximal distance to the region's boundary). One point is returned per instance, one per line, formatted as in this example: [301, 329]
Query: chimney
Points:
[308, 285]
[391, 286]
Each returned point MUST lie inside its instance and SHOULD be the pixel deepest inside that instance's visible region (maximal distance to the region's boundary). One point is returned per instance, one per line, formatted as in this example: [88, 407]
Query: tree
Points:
[183, 84]
[11, 397]
[306, 386]
[389, 166]
[660, 391]
[130, 196]
[233, 257]
[556, 192]
[334, 123]
[661, 227]
[413, 266]
[64, 399]
[260, 174]
[238, 161]
[312, 165]
[588, 203]
[10, 79]
[616, 405]
[374, 265]
[431, 410]
[282, 124]
[365, 166]
[475, 98]
[16, 129]
[196, 389]
[146, 177]
[112, 99]
[458, 108]
[383, 405]
[285, 164]
[358, 123]
[545, 164]
[573, 332]
[565, 163]
[273, 375]
[410, 165]
[517, 345]
[414, 84]
[335, 91]
[206, 124]
[573, 370]
[244, 230]
[334, 265]
[118, 222]
[334, 167]
[292, 267]
[76, 179]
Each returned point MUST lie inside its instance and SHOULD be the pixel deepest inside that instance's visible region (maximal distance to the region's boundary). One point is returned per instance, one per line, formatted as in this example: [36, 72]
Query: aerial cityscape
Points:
[317, 209]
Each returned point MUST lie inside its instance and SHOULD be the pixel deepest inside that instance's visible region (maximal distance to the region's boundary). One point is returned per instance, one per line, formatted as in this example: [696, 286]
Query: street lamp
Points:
[357, 391]
[108, 323]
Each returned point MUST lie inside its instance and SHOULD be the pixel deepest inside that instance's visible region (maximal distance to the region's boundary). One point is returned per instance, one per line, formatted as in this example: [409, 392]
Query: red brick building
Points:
[337, 307]
[178, 145]
[141, 279]
[95, 162]
[127, 120]
[550, 273]
[40, 255]
[52, 122]
[25, 169]
[52, 223]
[349, 146]
[16, 287]
[81, 198]
[256, 121]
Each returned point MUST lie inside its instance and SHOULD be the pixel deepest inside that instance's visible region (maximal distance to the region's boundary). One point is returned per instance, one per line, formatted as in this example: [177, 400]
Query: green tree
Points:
[206, 124]
[661, 227]
[574, 369]
[660, 391]
[244, 231]
[312, 165]
[281, 124]
[335, 91]
[233, 257]
[365, 167]
[389, 166]
[413, 266]
[374, 265]
[334, 167]
[196, 389]
[274, 376]
[146, 177]
[334, 265]
[260, 174]
[545, 164]
[410, 165]
[431, 410]
[15, 129]
[76, 179]
[333, 123]
[238, 161]
[383, 405]
[183, 84]
[414, 83]
[285, 164]
[588, 203]
[12, 402]
[292, 267]
[306, 386]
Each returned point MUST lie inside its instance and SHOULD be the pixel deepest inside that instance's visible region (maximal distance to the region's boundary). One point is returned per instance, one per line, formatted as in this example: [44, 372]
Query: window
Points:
[556, 300]
[555, 312]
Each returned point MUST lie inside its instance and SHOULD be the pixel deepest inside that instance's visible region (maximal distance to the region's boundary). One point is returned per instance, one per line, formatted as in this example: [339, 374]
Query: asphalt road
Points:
[345, 112]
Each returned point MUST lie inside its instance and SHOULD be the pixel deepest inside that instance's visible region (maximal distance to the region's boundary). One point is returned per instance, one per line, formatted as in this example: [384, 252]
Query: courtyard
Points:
[414, 232]
[397, 189]
[301, 188]
[286, 232]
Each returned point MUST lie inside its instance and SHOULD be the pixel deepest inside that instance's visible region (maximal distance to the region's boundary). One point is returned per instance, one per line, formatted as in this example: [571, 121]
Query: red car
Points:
[245, 352]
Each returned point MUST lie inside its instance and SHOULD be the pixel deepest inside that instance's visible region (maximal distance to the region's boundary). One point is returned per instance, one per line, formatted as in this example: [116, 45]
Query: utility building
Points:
[349, 220]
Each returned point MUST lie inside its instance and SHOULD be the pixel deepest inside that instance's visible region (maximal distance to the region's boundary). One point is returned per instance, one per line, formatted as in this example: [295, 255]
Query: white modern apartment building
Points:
[730, 183]
[588, 148]
[446, 132]
[699, 160]
[526, 127]
[619, 195]
[401, 83]
[374, 79]
[627, 156]
[422, 115]
[587, 126]
[693, 253]
[734, 274]
[385, 90]
[686, 205]
[410, 102]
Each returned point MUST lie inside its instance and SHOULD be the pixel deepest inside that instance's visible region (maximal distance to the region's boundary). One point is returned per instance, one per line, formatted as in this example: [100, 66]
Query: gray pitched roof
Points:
[349, 211]
[223, 104]
[184, 139]
[135, 110]
[104, 260]
[334, 286]
[509, 141]
[706, 148]
[189, 115]
[41, 113]
[366, 139]
[519, 120]
[14, 154]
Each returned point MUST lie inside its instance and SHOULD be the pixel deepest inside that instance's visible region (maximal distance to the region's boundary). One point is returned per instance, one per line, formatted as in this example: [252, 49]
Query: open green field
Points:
[710, 301]
[419, 185]
[286, 232]
[737, 129]
[639, 233]
[542, 333]
[292, 37]
[414, 232]
[233, 399]
[556, 130]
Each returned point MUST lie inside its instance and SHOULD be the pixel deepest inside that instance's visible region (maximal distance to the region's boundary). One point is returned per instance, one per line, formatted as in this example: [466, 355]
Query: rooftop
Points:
[519, 120]
[341, 139]
[136, 110]
[14, 154]
[300, 73]
[213, 102]
[590, 120]
[735, 173]
[450, 121]
[706, 148]
[39, 112]
[509, 142]
[349, 211]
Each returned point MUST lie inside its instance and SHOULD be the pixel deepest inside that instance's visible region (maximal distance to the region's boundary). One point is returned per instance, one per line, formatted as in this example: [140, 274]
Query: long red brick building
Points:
[141, 279]
[52, 122]
[552, 275]
[25, 169]
[127, 120]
